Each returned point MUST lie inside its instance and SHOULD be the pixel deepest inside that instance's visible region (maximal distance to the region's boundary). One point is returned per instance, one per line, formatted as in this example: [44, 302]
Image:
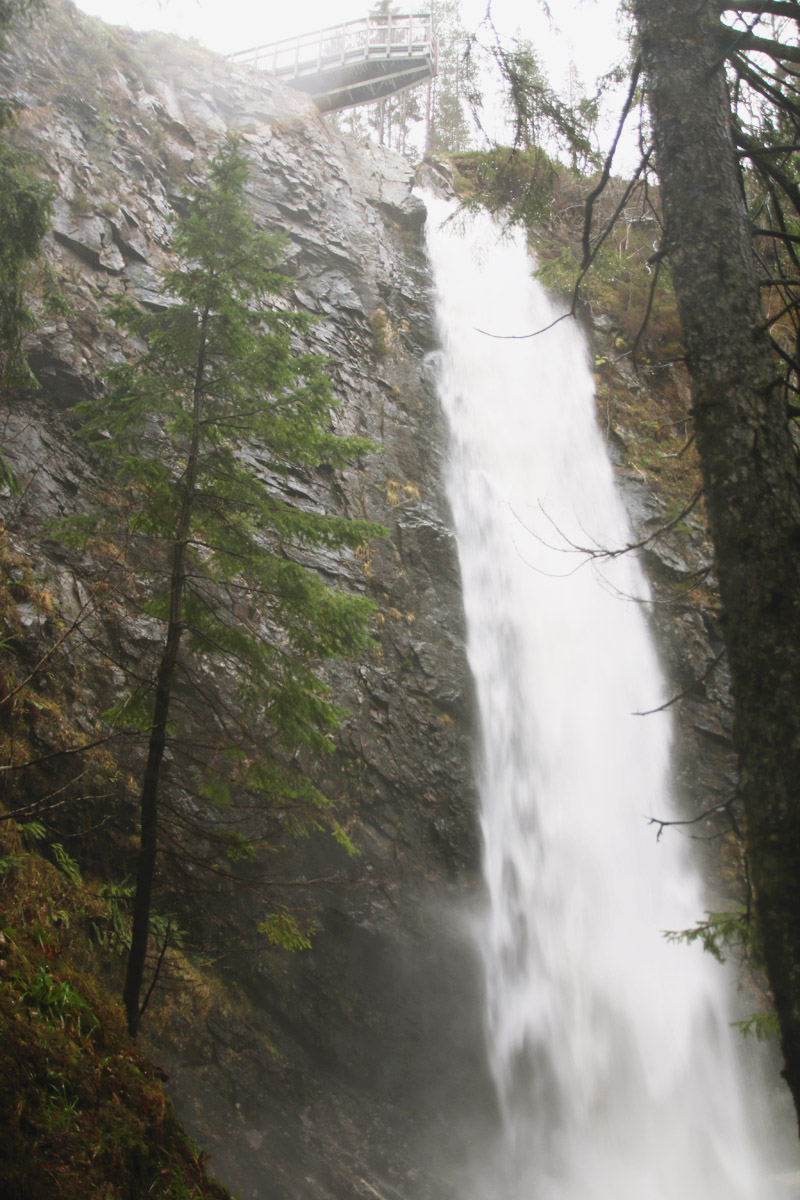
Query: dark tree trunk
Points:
[148, 810]
[750, 467]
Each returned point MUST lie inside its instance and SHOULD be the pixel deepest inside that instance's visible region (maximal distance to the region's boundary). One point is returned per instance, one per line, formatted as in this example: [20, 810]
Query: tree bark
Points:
[749, 463]
[148, 801]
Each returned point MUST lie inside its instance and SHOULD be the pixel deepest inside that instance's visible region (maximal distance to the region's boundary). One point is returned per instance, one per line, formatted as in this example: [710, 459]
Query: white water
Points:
[611, 1049]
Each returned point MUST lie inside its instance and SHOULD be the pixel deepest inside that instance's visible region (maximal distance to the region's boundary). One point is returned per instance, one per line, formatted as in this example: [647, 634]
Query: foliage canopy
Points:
[204, 434]
[24, 219]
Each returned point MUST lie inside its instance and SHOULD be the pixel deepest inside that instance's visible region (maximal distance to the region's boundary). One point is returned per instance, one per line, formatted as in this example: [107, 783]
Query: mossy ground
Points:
[83, 1113]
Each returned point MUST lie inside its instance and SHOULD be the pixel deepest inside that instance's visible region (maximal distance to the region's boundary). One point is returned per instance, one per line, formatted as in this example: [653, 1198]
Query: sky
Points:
[586, 32]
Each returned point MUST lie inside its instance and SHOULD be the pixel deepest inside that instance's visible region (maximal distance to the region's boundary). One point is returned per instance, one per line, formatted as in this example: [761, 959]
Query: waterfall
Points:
[611, 1050]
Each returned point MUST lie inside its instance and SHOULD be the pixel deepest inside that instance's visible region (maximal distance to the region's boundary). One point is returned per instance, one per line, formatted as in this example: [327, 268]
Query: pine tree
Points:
[541, 119]
[25, 204]
[219, 387]
[743, 411]
[455, 85]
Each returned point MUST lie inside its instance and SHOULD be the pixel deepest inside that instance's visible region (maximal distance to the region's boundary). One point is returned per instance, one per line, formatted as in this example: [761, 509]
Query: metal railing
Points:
[407, 36]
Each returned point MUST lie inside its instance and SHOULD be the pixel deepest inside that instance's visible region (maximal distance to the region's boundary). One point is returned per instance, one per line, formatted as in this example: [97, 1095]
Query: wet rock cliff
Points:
[339, 1070]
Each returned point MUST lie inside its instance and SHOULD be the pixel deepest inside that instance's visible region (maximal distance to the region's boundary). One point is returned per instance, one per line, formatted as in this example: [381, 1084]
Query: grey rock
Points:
[88, 237]
[146, 286]
[436, 176]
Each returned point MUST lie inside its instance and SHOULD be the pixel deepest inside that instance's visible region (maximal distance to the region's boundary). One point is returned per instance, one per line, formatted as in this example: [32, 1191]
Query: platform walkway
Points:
[358, 62]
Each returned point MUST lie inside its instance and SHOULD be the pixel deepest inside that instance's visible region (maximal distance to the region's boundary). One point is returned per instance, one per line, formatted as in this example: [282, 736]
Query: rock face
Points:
[684, 615]
[343, 1077]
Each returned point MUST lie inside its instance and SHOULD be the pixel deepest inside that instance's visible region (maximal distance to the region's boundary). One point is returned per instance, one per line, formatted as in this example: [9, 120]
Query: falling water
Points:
[611, 1051]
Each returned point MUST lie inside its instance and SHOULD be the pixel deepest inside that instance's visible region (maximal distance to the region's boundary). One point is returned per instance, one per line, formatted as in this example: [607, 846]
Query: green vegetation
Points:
[733, 934]
[24, 220]
[625, 284]
[720, 934]
[540, 117]
[82, 1113]
[219, 385]
[517, 184]
[25, 204]
[222, 398]
[454, 87]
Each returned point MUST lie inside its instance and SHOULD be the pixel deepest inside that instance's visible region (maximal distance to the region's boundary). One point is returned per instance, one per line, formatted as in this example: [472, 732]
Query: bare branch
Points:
[87, 609]
[686, 692]
[659, 258]
[703, 816]
[602, 552]
[774, 8]
[606, 173]
[157, 971]
[72, 750]
[778, 51]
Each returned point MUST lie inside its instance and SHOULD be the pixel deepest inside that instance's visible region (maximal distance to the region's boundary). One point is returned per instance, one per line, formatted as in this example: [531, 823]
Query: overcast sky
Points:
[586, 28]
[581, 32]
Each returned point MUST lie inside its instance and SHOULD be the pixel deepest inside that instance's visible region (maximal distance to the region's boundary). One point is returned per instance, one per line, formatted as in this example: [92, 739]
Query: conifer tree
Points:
[25, 204]
[731, 242]
[218, 389]
[24, 220]
[454, 89]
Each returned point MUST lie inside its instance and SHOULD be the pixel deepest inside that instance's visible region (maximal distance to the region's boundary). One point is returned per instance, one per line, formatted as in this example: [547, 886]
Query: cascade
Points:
[613, 1059]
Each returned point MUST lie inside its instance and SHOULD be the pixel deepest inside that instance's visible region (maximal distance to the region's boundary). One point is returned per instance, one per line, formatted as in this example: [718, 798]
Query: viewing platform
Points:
[355, 63]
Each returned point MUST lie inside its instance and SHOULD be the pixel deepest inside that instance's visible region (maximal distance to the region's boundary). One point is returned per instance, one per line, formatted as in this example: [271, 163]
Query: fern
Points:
[285, 932]
[66, 864]
[763, 1026]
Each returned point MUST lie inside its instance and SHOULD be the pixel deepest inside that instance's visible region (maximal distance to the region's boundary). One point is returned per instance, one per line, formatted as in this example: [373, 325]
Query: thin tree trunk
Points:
[148, 802]
[750, 468]
[428, 111]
